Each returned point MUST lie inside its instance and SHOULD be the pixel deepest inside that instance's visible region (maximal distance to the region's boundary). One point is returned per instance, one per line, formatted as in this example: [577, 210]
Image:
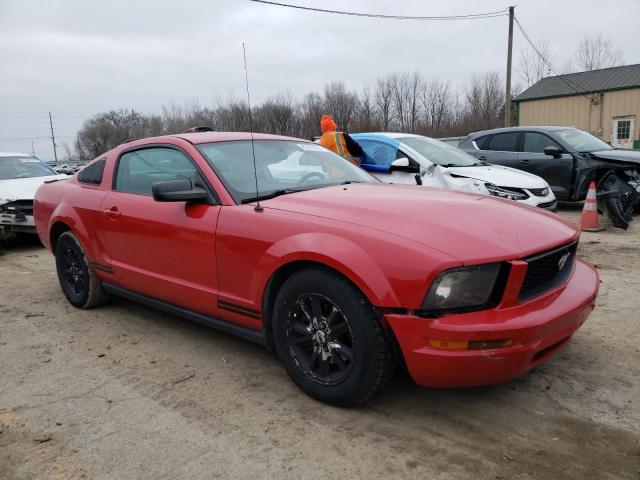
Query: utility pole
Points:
[53, 140]
[33, 149]
[507, 100]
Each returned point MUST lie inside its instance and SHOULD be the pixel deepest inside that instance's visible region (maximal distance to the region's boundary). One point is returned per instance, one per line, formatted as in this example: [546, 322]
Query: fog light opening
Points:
[487, 344]
[469, 345]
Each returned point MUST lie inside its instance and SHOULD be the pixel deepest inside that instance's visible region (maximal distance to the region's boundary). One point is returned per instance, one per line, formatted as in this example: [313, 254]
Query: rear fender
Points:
[335, 252]
[65, 214]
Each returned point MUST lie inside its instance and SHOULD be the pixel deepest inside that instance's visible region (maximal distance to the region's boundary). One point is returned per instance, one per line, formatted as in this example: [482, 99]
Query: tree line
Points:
[404, 102]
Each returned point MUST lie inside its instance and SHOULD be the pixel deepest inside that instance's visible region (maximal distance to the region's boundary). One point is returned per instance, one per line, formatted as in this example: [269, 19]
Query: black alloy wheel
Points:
[330, 339]
[74, 271]
[320, 339]
[77, 278]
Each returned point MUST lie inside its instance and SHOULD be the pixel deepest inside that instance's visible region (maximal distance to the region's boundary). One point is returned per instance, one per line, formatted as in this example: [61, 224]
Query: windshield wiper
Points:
[273, 194]
[286, 191]
[447, 165]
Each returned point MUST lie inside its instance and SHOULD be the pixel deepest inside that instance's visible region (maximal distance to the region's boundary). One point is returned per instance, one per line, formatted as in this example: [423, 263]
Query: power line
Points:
[12, 139]
[572, 86]
[472, 16]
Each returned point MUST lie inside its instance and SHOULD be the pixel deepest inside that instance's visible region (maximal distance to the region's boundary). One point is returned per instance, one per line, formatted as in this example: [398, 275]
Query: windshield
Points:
[23, 167]
[582, 141]
[280, 165]
[439, 152]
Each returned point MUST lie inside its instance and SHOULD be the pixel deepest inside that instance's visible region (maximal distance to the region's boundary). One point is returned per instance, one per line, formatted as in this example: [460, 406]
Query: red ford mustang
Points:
[338, 273]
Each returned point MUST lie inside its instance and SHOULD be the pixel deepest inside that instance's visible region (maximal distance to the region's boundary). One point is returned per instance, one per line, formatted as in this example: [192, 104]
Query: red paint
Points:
[543, 322]
[391, 241]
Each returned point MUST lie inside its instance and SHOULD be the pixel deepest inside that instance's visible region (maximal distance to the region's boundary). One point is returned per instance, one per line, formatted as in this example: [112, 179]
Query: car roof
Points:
[395, 135]
[13, 154]
[209, 137]
[532, 128]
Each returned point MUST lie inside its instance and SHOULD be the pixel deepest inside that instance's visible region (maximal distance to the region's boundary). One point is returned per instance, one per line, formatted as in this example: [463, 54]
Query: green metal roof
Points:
[614, 78]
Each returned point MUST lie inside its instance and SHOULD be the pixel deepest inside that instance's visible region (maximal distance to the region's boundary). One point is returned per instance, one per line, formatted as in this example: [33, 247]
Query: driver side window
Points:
[140, 169]
[378, 153]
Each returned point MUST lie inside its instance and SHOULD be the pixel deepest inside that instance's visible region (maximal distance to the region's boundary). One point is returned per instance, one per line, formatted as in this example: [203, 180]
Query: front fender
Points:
[334, 251]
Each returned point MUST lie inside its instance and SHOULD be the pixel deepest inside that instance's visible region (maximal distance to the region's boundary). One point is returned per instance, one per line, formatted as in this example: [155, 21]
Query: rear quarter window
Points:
[92, 174]
[481, 141]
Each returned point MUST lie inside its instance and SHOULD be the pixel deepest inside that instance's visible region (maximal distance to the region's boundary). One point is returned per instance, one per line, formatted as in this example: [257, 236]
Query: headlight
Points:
[505, 192]
[465, 288]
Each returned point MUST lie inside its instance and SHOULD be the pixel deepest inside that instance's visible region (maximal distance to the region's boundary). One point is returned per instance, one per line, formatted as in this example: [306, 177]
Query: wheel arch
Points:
[66, 219]
[383, 295]
[57, 229]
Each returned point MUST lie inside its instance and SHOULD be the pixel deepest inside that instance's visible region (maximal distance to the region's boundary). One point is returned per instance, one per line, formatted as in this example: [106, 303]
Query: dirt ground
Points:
[124, 392]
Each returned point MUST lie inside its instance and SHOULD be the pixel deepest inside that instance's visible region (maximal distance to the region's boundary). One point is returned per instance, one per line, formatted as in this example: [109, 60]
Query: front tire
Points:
[77, 278]
[330, 339]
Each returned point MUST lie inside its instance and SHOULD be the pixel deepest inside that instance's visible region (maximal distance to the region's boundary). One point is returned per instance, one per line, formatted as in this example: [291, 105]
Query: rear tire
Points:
[77, 278]
[329, 338]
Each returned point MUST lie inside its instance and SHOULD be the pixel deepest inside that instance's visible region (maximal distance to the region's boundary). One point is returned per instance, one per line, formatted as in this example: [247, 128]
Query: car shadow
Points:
[22, 242]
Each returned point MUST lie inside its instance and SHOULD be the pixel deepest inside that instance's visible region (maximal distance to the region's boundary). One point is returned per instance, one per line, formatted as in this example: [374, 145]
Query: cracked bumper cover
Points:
[538, 329]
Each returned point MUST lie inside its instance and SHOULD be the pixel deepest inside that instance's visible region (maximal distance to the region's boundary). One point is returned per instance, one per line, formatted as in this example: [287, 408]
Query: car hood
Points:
[23, 188]
[471, 228]
[629, 156]
[500, 176]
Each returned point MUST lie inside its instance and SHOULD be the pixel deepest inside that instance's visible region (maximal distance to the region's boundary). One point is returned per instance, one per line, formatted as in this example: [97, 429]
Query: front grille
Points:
[539, 192]
[24, 206]
[547, 270]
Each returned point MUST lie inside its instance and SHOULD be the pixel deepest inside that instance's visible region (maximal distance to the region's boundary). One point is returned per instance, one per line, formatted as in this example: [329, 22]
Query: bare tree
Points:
[436, 106]
[485, 101]
[340, 103]
[405, 89]
[68, 152]
[597, 52]
[366, 115]
[311, 109]
[279, 115]
[106, 130]
[233, 117]
[531, 66]
[383, 99]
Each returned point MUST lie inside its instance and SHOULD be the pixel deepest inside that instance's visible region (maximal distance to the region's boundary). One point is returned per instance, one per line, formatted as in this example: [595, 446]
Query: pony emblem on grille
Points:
[563, 260]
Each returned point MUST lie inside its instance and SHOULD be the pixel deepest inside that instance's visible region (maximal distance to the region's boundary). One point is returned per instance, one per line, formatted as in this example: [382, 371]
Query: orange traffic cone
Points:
[589, 217]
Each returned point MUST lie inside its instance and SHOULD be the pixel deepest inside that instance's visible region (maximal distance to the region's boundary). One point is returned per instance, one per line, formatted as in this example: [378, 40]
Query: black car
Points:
[568, 159]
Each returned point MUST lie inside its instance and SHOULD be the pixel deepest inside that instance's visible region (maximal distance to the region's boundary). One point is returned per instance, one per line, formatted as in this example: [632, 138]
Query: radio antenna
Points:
[258, 207]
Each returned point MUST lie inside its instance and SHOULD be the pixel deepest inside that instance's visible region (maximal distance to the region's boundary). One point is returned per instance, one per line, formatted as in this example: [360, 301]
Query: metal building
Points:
[603, 102]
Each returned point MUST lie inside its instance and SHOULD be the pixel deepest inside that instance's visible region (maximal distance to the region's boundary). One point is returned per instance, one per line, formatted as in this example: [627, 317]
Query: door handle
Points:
[482, 157]
[112, 213]
[524, 160]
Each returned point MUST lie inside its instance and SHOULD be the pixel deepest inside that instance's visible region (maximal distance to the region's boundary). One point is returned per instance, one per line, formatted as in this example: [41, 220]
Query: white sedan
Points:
[414, 159]
[20, 176]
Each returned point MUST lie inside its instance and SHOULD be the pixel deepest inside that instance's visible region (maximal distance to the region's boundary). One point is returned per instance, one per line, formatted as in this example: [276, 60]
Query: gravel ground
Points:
[123, 391]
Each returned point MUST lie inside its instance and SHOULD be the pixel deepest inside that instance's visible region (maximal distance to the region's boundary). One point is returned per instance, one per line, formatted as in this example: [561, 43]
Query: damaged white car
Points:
[20, 176]
[414, 159]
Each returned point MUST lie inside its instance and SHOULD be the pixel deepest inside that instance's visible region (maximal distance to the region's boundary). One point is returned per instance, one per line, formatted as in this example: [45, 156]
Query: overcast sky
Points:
[77, 58]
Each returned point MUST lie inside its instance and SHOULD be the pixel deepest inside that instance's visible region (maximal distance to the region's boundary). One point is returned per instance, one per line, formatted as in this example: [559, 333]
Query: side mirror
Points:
[554, 152]
[178, 191]
[402, 162]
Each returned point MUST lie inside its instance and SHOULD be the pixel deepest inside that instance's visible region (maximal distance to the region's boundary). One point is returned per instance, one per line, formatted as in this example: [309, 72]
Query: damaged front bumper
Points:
[618, 197]
[17, 216]
[509, 340]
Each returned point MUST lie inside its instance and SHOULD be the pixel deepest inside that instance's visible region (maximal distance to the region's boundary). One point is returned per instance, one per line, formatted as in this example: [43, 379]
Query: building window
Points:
[624, 129]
